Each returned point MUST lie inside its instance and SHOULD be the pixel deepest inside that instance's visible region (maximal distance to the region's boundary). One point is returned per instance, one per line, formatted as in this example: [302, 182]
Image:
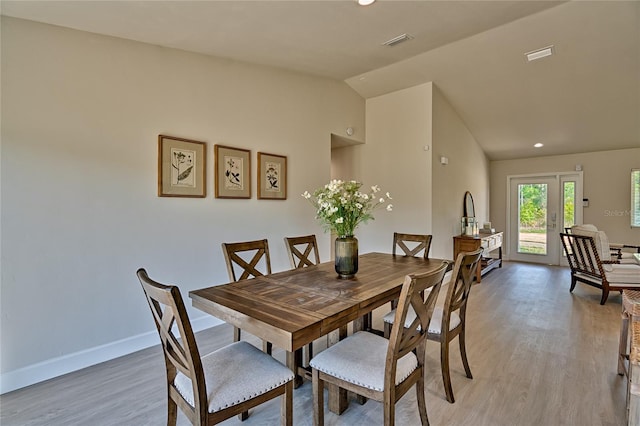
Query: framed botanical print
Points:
[232, 172]
[272, 176]
[181, 167]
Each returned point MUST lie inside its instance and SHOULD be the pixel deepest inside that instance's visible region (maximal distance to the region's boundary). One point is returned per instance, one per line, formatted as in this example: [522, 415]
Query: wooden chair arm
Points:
[637, 248]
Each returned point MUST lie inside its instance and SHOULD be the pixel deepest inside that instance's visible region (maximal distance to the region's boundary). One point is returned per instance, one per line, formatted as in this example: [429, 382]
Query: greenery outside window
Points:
[635, 198]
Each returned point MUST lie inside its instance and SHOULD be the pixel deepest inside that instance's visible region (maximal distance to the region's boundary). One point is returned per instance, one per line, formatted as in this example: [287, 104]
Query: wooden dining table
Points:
[293, 308]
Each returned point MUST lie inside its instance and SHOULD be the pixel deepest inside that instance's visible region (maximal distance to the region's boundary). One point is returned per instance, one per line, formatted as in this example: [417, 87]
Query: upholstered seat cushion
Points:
[360, 359]
[236, 373]
[628, 258]
[623, 274]
[435, 325]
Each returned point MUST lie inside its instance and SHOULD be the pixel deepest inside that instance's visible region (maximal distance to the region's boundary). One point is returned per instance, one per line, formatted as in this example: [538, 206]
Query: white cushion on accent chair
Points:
[603, 246]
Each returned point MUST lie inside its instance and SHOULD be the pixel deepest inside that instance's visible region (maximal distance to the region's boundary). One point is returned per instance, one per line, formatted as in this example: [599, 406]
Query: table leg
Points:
[338, 401]
[294, 362]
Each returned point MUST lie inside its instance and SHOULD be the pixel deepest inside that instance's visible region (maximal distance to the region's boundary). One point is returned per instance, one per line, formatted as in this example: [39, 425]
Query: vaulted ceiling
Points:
[583, 98]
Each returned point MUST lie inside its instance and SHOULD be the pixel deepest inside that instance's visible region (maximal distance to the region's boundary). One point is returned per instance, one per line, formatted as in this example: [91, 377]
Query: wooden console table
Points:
[489, 242]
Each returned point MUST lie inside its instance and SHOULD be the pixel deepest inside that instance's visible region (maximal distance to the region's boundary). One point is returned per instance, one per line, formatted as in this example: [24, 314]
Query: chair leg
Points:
[368, 321]
[463, 353]
[623, 344]
[387, 330]
[307, 354]
[422, 405]
[573, 283]
[243, 416]
[318, 399]
[286, 410]
[444, 365]
[389, 409]
[172, 412]
[605, 296]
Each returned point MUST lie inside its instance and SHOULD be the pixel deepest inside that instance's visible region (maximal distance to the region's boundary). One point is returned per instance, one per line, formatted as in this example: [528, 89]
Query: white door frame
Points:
[561, 177]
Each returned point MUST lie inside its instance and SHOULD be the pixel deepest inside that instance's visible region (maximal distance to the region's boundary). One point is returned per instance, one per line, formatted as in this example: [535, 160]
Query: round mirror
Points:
[469, 208]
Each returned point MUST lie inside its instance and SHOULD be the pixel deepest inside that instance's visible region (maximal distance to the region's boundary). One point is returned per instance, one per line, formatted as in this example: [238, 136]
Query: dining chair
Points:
[240, 267]
[449, 320]
[416, 243]
[301, 249]
[378, 368]
[409, 245]
[217, 386]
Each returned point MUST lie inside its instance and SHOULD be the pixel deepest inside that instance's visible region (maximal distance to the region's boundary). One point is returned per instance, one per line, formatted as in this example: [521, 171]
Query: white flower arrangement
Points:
[341, 206]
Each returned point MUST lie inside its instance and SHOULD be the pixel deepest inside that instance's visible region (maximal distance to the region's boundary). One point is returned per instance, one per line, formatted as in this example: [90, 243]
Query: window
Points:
[635, 198]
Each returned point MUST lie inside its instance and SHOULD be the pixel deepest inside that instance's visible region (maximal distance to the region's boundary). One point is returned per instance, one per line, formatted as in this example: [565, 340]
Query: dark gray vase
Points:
[346, 251]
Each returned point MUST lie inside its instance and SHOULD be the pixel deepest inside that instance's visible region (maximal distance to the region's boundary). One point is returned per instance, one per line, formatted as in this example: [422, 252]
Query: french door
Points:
[540, 207]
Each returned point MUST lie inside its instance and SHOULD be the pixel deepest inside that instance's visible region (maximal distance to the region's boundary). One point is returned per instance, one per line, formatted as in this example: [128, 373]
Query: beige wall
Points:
[81, 114]
[468, 170]
[407, 132]
[398, 126]
[607, 185]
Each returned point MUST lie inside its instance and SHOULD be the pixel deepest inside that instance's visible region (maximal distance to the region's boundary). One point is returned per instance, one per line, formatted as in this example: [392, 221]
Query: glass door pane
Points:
[569, 204]
[532, 218]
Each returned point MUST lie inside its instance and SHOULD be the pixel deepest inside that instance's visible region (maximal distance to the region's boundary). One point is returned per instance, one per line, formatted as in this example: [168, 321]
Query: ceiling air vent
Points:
[539, 54]
[397, 40]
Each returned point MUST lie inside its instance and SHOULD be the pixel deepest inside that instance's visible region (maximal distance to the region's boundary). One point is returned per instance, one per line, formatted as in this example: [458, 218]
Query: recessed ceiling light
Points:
[365, 2]
[539, 145]
[539, 54]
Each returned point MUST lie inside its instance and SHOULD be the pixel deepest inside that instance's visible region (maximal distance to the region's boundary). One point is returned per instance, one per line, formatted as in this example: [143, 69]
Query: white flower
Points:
[390, 207]
[389, 196]
[341, 205]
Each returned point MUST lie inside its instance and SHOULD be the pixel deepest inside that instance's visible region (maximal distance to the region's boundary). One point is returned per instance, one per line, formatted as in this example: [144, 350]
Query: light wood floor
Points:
[539, 356]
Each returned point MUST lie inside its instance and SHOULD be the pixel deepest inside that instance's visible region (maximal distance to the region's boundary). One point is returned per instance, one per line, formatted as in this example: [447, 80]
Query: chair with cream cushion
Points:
[411, 245]
[589, 258]
[303, 252]
[222, 384]
[301, 249]
[449, 320]
[244, 260]
[377, 368]
[611, 253]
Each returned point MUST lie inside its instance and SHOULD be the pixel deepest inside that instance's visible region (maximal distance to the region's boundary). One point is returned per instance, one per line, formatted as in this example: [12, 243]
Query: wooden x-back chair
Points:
[449, 320]
[217, 386]
[301, 250]
[383, 369]
[236, 256]
[417, 243]
[410, 245]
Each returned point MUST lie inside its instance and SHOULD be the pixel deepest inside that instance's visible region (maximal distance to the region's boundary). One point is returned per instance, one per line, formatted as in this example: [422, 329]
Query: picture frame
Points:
[232, 172]
[272, 176]
[182, 165]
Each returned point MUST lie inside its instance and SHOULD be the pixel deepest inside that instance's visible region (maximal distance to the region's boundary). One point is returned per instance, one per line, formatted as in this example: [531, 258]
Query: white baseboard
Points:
[55, 367]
